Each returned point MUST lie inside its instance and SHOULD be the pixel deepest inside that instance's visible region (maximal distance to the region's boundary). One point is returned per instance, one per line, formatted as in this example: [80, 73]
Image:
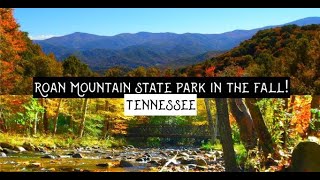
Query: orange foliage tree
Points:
[11, 45]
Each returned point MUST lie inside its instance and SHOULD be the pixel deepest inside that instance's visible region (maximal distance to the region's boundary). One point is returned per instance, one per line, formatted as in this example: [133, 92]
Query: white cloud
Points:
[42, 37]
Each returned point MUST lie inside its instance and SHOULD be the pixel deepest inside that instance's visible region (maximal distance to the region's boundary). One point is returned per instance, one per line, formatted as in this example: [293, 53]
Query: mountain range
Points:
[149, 49]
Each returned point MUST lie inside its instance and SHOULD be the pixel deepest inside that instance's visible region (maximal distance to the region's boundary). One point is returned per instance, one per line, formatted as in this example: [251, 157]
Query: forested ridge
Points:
[253, 134]
[289, 51]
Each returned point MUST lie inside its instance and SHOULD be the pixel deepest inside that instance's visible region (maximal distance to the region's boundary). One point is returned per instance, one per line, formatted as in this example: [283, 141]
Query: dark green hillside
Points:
[284, 51]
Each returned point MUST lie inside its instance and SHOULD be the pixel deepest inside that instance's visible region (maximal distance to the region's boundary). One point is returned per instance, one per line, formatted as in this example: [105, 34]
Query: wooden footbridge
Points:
[168, 131]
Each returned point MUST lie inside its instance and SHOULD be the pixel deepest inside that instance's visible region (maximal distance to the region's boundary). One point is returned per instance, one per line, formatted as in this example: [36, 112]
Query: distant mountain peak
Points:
[147, 48]
[305, 21]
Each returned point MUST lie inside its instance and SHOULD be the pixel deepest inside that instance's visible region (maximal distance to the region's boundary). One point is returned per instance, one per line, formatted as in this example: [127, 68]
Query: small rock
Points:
[163, 162]
[6, 145]
[147, 155]
[66, 169]
[124, 163]
[188, 161]
[192, 166]
[48, 156]
[171, 153]
[217, 154]
[163, 153]
[1, 149]
[19, 149]
[147, 159]
[99, 151]
[184, 154]
[77, 155]
[184, 168]
[34, 165]
[70, 153]
[156, 158]
[108, 157]
[130, 146]
[9, 151]
[201, 162]
[40, 149]
[155, 163]
[202, 168]
[51, 169]
[103, 165]
[194, 153]
[2, 154]
[77, 170]
[62, 156]
[50, 147]
[95, 147]
[28, 146]
[140, 159]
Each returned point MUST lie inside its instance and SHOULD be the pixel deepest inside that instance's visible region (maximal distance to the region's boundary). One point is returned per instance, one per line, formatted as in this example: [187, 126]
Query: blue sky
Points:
[47, 22]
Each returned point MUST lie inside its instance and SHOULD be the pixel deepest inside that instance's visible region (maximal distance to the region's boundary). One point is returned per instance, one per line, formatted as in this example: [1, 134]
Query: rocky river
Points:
[96, 159]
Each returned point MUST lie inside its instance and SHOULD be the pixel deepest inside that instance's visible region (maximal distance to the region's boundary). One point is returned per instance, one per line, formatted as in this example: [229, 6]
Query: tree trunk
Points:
[225, 134]
[56, 117]
[106, 121]
[245, 123]
[45, 117]
[265, 139]
[3, 127]
[290, 109]
[210, 120]
[315, 104]
[82, 123]
[35, 121]
[286, 103]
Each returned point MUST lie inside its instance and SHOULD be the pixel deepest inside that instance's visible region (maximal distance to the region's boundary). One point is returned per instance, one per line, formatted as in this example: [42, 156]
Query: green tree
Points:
[72, 66]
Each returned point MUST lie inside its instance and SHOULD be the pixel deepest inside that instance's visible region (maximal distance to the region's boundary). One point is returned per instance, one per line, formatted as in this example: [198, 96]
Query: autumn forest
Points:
[247, 135]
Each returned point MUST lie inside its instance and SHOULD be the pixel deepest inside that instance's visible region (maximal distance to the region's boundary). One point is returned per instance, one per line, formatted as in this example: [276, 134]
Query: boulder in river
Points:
[2, 154]
[124, 163]
[6, 145]
[28, 146]
[19, 149]
[306, 157]
[77, 155]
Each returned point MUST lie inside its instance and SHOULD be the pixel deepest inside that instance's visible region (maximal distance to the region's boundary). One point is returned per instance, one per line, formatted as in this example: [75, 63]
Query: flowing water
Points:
[97, 160]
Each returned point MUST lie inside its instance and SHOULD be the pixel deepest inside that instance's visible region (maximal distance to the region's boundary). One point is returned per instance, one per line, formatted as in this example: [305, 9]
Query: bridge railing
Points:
[187, 131]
